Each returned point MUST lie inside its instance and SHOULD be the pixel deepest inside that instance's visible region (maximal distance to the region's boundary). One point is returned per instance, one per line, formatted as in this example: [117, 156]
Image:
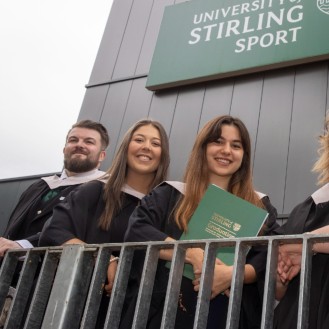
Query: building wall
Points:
[283, 109]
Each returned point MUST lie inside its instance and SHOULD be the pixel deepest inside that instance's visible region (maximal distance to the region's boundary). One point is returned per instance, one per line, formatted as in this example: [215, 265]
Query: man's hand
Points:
[6, 244]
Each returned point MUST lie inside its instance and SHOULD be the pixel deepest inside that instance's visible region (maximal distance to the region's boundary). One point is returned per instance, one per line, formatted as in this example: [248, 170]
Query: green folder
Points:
[221, 214]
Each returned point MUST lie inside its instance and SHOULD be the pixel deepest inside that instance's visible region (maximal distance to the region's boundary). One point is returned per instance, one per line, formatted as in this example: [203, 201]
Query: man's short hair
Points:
[89, 124]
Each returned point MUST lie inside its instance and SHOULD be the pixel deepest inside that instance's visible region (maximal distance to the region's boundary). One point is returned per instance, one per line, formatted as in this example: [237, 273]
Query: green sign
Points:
[203, 40]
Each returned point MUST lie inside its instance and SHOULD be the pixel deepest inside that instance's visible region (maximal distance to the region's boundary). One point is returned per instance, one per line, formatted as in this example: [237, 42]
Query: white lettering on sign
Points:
[267, 39]
[225, 23]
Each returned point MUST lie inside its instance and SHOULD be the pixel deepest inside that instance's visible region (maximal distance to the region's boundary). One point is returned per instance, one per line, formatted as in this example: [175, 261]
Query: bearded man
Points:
[84, 151]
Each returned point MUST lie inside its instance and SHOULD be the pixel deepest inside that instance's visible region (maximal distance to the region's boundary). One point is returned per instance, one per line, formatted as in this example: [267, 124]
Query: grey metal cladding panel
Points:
[307, 123]
[272, 144]
[246, 102]
[8, 199]
[111, 42]
[93, 103]
[217, 100]
[163, 106]
[133, 39]
[138, 105]
[151, 35]
[184, 129]
[112, 116]
[126, 102]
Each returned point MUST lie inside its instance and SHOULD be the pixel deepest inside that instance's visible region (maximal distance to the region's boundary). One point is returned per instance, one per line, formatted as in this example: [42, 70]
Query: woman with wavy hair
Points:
[221, 155]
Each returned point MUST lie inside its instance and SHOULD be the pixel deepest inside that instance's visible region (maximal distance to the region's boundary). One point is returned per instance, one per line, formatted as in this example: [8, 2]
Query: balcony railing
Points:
[61, 287]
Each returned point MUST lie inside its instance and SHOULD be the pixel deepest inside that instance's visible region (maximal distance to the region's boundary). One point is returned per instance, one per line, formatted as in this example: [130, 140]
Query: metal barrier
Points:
[62, 287]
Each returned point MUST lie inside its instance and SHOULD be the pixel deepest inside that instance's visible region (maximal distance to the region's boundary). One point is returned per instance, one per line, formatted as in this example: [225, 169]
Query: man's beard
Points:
[77, 165]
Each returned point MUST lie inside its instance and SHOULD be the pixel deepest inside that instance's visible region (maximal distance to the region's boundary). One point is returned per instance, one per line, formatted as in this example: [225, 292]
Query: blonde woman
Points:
[312, 216]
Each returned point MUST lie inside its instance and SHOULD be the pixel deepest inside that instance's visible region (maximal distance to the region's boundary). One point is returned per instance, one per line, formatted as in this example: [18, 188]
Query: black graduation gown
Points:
[29, 216]
[153, 221]
[79, 215]
[306, 217]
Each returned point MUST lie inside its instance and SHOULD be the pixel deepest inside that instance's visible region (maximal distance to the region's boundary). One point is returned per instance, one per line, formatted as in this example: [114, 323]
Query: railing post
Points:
[173, 288]
[70, 288]
[233, 313]
[270, 285]
[42, 289]
[207, 275]
[118, 293]
[305, 285]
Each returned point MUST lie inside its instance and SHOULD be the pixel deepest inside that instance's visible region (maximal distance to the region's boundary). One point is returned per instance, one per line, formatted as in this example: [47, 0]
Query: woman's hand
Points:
[289, 264]
[289, 261]
[111, 271]
[194, 256]
[221, 281]
[73, 241]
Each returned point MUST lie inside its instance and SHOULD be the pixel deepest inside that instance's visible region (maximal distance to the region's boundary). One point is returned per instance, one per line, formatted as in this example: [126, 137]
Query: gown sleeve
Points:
[257, 255]
[250, 314]
[70, 218]
[152, 221]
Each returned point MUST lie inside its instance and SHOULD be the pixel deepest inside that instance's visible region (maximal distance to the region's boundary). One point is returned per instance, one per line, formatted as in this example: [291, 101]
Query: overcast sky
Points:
[48, 49]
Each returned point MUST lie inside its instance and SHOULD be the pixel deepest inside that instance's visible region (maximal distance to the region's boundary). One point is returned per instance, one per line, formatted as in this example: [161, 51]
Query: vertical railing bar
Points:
[96, 288]
[207, 275]
[305, 286]
[113, 315]
[270, 284]
[234, 305]
[146, 287]
[23, 289]
[42, 290]
[66, 301]
[7, 271]
[173, 288]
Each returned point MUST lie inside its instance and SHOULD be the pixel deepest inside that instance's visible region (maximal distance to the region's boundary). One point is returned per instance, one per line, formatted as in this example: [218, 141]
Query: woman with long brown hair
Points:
[221, 155]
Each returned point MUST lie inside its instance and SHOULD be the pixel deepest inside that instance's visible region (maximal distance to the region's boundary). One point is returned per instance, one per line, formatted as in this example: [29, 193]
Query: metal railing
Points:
[61, 287]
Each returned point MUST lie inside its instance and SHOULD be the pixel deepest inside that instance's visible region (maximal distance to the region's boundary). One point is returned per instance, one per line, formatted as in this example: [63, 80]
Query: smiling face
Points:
[224, 156]
[82, 151]
[144, 151]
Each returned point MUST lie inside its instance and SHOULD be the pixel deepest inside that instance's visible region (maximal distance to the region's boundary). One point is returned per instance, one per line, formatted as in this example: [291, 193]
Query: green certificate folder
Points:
[221, 214]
